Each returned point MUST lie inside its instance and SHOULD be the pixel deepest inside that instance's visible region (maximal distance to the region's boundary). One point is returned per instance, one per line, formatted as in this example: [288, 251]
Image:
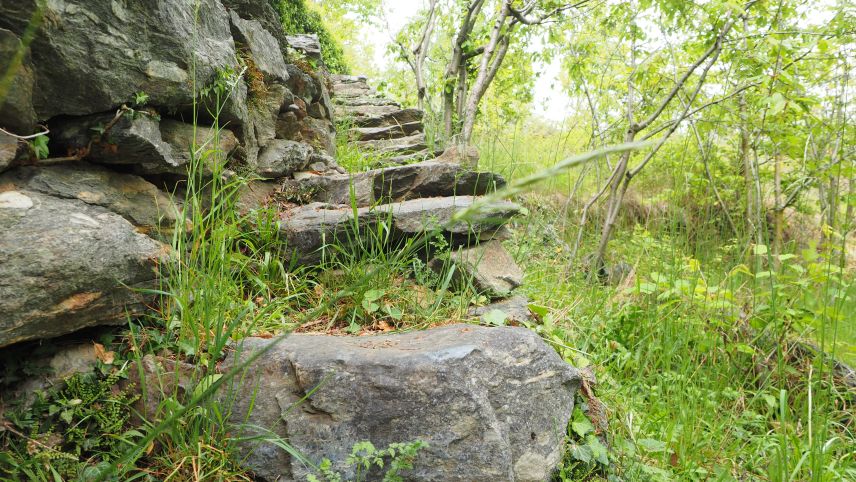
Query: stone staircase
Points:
[419, 193]
[379, 124]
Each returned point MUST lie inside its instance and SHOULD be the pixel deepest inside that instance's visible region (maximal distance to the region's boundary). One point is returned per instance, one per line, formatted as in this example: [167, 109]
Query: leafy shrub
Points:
[298, 19]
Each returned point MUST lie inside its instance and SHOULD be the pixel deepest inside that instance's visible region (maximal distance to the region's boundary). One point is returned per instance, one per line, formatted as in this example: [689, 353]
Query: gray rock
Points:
[379, 116]
[488, 266]
[262, 45]
[306, 44]
[132, 197]
[67, 265]
[262, 12]
[153, 146]
[8, 151]
[16, 111]
[93, 56]
[491, 403]
[304, 85]
[309, 229]
[515, 309]
[384, 132]
[374, 101]
[282, 158]
[418, 156]
[400, 183]
[402, 145]
[463, 155]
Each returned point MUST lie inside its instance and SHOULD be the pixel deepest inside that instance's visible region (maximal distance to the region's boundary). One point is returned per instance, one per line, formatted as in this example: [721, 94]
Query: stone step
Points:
[393, 147]
[365, 101]
[346, 79]
[419, 156]
[353, 90]
[384, 132]
[400, 183]
[379, 116]
[316, 229]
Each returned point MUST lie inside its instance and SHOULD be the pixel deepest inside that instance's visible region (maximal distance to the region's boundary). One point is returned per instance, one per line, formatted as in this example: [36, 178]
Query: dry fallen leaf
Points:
[102, 354]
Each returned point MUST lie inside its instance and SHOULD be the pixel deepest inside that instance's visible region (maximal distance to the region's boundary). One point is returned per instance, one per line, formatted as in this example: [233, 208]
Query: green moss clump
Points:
[297, 18]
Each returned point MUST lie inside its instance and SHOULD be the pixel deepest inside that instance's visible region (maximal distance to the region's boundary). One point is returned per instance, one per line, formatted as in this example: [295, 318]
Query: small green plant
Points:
[70, 432]
[39, 147]
[365, 458]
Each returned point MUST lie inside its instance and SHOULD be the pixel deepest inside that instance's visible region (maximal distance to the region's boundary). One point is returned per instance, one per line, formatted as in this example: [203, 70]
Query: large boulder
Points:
[94, 56]
[491, 403]
[67, 265]
[129, 196]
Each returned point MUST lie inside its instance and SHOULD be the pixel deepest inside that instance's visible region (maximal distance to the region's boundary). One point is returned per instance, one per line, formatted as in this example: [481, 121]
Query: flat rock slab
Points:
[395, 131]
[403, 145]
[491, 403]
[488, 266]
[132, 197]
[309, 229]
[399, 183]
[67, 265]
[379, 116]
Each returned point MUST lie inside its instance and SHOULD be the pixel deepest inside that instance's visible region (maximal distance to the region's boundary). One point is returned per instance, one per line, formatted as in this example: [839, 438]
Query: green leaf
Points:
[374, 295]
[651, 445]
[494, 317]
[581, 425]
[205, 384]
[760, 249]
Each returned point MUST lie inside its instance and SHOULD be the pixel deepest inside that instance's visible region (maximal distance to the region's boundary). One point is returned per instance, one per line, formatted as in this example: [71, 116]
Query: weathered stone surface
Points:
[400, 183]
[492, 403]
[262, 12]
[132, 197]
[16, 112]
[152, 146]
[308, 229]
[48, 366]
[8, 151]
[402, 145]
[385, 132]
[466, 156]
[515, 309]
[379, 116]
[261, 45]
[93, 56]
[306, 44]
[282, 158]
[365, 101]
[488, 266]
[66, 265]
[303, 85]
[418, 156]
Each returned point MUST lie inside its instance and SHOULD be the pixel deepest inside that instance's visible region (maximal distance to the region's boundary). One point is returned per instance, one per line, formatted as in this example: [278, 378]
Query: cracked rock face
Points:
[67, 265]
[492, 403]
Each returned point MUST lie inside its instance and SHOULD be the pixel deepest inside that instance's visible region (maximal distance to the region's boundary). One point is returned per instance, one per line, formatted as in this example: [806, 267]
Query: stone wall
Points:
[118, 85]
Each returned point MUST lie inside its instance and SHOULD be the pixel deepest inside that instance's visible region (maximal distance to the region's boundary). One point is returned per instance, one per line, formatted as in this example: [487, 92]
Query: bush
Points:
[298, 19]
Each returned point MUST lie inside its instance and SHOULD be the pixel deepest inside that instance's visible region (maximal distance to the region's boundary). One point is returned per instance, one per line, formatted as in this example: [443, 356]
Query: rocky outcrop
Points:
[491, 403]
[66, 265]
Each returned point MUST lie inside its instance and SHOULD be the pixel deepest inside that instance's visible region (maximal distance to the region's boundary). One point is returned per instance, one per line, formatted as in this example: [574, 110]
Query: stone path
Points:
[380, 124]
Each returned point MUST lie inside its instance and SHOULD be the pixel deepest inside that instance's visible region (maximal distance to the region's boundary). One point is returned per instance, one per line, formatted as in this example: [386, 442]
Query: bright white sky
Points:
[550, 101]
